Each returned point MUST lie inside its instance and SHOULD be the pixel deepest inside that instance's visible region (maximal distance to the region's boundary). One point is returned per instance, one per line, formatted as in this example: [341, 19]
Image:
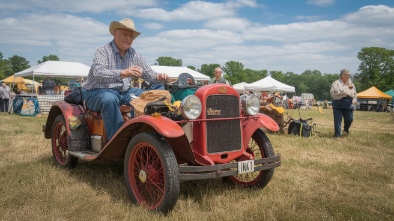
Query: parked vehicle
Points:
[216, 134]
[307, 96]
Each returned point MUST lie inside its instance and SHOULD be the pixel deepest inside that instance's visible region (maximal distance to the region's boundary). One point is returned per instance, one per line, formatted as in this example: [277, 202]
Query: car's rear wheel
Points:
[260, 147]
[151, 173]
[59, 142]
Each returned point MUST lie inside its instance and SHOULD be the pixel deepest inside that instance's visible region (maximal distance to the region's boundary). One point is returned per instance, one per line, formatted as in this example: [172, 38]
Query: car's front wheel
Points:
[151, 172]
[260, 147]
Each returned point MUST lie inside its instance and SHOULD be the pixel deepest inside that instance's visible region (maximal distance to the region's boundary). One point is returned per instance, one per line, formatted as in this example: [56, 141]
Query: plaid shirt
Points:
[107, 64]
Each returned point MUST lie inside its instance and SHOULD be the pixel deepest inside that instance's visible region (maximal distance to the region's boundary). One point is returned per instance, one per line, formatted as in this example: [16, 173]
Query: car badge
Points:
[211, 111]
[222, 90]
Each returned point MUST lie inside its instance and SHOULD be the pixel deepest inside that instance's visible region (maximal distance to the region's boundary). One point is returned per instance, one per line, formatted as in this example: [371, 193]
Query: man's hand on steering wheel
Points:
[133, 71]
[162, 77]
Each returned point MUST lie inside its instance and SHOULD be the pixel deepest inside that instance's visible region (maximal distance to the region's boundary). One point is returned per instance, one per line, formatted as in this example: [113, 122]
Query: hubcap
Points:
[142, 176]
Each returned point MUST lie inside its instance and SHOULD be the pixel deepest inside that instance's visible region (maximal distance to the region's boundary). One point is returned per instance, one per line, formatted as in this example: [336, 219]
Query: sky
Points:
[274, 35]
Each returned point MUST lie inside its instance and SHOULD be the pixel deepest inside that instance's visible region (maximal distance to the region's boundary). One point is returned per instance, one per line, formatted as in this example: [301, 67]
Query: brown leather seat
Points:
[124, 109]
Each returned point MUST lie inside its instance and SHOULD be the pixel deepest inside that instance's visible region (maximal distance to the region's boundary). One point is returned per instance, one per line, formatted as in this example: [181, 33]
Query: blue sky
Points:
[273, 35]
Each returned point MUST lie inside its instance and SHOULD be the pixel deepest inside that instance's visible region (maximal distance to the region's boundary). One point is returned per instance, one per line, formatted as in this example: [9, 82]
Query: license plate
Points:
[246, 166]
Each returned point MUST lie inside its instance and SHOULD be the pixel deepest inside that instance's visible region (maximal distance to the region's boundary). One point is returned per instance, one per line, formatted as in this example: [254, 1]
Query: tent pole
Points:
[34, 87]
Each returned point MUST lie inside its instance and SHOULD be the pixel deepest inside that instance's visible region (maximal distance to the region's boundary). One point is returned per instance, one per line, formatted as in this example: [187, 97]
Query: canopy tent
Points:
[390, 93]
[22, 83]
[240, 87]
[174, 72]
[12, 79]
[28, 81]
[269, 84]
[61, 69]
[373, 93]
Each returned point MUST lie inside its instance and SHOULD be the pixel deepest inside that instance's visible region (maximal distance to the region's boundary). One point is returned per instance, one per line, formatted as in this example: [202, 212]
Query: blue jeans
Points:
[107, 102]
[4, 104]
[347, 115]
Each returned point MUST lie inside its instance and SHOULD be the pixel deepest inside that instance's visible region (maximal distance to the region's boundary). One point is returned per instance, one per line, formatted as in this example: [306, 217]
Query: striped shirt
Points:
[107, 64]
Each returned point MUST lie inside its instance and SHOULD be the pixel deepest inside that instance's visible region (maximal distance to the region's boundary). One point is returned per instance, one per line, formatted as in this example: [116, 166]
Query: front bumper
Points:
[223, 170]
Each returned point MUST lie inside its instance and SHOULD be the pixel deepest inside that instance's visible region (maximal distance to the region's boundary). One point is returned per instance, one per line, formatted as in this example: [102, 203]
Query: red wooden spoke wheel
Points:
[151, 173]
[60, 144]
[260, 147]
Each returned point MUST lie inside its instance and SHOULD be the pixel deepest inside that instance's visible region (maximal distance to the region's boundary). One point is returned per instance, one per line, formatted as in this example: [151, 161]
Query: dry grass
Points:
[321, 178]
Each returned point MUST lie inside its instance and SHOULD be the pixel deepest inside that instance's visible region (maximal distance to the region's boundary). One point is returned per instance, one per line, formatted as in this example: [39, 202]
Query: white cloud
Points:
[308, 18]
[191, 11]
[242, 3]
[153, 26]
[67, 36]
[222, 35]
[189, 40]
[231, 24]
[295, 32]
[93, 6]
[372, 16]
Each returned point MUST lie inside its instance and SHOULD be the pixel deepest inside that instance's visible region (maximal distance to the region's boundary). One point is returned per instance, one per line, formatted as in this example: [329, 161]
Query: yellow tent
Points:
[22, 83]
[11, 80]
[373, 93]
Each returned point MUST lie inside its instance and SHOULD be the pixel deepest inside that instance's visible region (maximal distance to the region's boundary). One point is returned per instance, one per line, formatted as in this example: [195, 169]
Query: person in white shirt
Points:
[344, 95]
[4, 97]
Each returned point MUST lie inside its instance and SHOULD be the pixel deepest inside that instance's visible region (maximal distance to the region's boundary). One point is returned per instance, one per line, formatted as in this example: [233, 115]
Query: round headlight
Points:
[250, 104]
[191, 107]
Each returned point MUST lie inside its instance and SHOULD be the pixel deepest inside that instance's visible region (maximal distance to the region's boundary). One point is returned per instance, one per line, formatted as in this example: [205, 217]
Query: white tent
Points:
[269, 84]
[240, 87]
[62, 69]
[174, 72]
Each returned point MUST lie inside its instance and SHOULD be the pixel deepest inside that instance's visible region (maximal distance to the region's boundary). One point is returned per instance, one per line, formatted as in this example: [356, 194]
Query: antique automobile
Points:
[213, 133]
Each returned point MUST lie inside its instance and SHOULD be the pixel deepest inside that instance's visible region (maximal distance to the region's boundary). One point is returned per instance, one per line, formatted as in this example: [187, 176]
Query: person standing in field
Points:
[344, 95]
[4, 97]
[49, 85]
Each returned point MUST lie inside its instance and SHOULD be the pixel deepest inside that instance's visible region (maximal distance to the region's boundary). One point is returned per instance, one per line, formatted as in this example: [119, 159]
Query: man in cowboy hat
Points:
[114, 66]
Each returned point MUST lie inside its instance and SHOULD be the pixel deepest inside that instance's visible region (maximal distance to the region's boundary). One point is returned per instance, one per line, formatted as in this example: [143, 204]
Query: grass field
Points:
[321, 178]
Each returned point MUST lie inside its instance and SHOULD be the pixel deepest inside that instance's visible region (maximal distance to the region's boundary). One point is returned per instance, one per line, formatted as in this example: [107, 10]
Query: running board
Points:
[87, 155]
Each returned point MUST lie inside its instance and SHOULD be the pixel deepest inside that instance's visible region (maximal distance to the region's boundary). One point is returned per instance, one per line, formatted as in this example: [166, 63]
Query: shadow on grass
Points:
[108, 177]
[100, 175]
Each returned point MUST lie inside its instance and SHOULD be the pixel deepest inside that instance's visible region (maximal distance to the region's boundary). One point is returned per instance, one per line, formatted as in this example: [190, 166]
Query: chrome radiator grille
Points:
[223, 135]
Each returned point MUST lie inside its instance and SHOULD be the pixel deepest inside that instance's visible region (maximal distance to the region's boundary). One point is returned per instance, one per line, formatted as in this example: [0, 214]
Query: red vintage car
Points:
[217, 133]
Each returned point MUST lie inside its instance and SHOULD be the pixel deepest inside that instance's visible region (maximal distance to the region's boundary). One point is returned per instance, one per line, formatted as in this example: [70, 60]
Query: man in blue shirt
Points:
[114, 66]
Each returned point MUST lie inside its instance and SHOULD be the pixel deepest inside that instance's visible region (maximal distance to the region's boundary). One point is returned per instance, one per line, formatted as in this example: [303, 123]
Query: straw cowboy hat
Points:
[125, 23]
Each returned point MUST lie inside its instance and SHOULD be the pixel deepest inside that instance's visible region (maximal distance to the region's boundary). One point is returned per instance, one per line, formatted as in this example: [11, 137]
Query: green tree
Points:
[50, 57]
[233, 67]
[278, 75]
[250, 76]
[169, 61]
[235, 71]
[17, 64]
[208, 69]
[5, 67]
[376, 68]
[191, 67]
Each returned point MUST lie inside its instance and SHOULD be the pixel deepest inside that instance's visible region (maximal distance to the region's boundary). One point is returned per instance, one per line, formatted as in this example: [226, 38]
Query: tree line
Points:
[376, 69]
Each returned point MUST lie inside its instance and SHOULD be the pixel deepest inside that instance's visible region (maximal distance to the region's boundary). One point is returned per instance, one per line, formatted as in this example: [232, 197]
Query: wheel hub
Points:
[142, 176]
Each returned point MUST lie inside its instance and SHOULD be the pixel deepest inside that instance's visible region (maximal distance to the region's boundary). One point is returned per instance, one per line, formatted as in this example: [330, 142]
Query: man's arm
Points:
[100, 69]
[148, 74]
